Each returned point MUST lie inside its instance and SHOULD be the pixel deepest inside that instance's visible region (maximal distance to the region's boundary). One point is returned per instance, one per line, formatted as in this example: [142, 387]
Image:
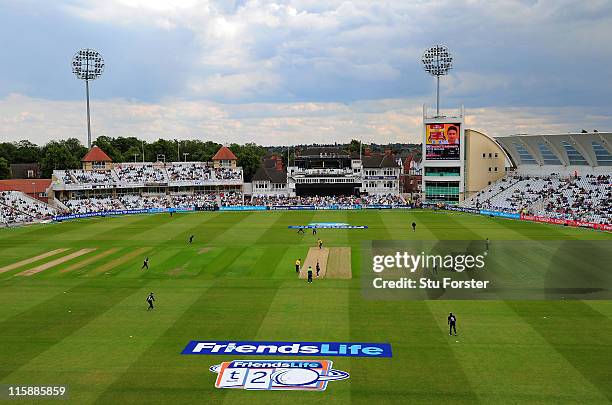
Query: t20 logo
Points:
[271, 375]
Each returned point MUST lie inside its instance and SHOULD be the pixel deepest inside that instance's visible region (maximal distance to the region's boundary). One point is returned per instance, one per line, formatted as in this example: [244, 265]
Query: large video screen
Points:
[442, 141]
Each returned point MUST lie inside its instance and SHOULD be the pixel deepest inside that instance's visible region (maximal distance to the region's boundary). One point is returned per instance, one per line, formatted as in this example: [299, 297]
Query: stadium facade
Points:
[564, 154]
[329, 171]
[458, 162]
[102, 186]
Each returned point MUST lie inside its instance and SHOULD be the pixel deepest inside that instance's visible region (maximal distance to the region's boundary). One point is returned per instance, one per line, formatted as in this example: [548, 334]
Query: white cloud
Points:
[321, 70]
[380, 121]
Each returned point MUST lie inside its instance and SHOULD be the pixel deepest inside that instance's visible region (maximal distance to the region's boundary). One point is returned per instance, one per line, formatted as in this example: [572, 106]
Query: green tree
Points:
[127, 147]
[354, 146]
[249, 158]
[57, 156]
[5, 168]
[162, 147]
[106, 144]
[132, 154]
[76, 148]
[8, 151]
[27, 152]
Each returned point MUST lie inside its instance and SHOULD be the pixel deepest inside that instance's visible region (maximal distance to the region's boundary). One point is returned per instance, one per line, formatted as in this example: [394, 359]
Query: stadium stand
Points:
[382, 199]
[139, 173]
[585, 198]
[93, 204]
[231, 199]
[199, 200]
[135, 202]
[189, 172]
[16, 207]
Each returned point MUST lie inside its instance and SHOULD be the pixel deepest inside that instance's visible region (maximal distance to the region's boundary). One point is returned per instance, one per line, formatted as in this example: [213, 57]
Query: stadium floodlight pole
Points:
[87, 64]
[437, 61]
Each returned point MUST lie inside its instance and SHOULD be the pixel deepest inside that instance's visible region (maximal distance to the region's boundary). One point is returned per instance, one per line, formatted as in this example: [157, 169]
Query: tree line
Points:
[67, 154]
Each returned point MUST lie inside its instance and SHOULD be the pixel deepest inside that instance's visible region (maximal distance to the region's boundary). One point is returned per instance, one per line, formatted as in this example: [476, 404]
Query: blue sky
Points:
[302, 71]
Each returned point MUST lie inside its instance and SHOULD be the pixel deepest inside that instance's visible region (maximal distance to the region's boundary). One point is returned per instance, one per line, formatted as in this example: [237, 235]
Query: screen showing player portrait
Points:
[442, 141]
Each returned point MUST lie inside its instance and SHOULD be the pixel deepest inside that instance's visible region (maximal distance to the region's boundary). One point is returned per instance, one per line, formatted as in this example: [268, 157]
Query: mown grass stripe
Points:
[217, 267]
[119, 261]
[224, 311]
[587, 347]
[499, 351]
[94, 356]
[83, 263]
[31, 260]
[56, 262]
[53, 320]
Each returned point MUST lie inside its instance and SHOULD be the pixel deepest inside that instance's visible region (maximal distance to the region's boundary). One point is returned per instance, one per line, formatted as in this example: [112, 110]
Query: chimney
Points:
[367, 152]
[279, 165]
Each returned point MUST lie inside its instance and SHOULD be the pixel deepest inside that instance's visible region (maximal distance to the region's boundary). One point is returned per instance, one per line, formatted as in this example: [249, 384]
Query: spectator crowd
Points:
[587, 198]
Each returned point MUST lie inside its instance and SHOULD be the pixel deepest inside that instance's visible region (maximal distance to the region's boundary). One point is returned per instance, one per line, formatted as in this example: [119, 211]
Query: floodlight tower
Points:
[437, 61]
[87, 64]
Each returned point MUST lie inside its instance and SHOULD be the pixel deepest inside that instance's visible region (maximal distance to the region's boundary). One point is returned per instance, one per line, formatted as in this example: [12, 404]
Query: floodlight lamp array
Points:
[87, 64]
[437, 60]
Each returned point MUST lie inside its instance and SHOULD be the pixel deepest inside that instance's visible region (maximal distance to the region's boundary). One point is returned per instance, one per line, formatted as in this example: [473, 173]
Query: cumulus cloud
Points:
[380, 121]
[306, 70]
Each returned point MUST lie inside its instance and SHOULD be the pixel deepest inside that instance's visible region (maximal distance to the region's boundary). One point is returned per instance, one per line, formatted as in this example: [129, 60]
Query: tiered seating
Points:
[86, 177]
[584, 198]
[272, 200]
[387, 199]
[10, 216]
[225, 173]
[194, 200]
[64, 176]
[231, 198]
[17, 207]
[140, 173]
[136, 202]
[514, 196]
[494, 189]
[309, 200]
[579, 198]
[188, 172]
[87, 205]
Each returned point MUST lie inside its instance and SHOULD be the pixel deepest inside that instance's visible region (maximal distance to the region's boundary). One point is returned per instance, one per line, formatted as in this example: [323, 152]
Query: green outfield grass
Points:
[83, 322]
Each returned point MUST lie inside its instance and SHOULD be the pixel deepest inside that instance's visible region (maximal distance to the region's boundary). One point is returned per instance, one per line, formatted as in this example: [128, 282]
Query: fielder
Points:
[452, 321]
[150, 300]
